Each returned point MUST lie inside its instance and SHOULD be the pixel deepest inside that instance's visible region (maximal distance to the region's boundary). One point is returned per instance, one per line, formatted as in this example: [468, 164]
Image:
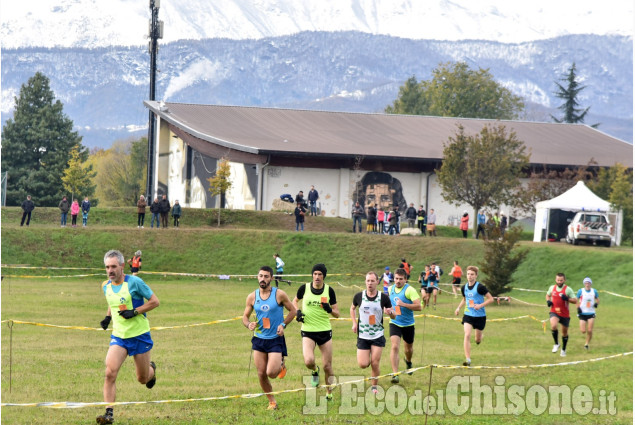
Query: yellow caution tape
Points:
[75, 405]
[154, 328]
[617, 295]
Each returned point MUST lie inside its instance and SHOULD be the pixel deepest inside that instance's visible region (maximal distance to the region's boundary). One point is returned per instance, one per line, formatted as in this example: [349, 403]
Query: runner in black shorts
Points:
[369, 327]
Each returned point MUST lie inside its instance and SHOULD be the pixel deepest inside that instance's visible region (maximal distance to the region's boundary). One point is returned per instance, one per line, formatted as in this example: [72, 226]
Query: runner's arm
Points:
[249, 308]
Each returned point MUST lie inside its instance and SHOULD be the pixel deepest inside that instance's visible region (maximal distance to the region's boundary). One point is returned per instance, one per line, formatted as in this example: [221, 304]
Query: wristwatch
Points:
[284, 326]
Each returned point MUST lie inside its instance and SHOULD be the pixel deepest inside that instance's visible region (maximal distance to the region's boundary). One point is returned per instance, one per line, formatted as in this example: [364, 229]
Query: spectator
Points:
[503, 224]
[155, 209]
[300, 198]
[64, 207]
[313, 197]
[392, 223]
[85, 211]
[406, 266]
[371, 217]
[421, 220]
[164, 209]
[27, 207]
[381, 217]
[411, 215]
[299, 213]
[432, 223]
[358, 213]
[398, 217]
[480, 224]
[141, 211]
[176, 213]
[74, 212]
[465, 223]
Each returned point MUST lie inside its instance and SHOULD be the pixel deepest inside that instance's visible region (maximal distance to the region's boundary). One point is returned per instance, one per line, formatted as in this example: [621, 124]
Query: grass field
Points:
[53, 364]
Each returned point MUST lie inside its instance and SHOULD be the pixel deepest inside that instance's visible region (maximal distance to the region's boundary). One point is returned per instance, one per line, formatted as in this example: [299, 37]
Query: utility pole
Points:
[155, 33]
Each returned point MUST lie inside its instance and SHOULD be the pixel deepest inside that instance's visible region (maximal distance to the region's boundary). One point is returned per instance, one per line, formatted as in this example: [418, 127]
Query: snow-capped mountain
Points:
[316, 54]
[103, 89]
[100, 23]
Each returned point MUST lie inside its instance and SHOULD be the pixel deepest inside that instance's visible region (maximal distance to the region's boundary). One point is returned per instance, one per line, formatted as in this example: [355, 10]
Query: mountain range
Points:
[285, 53]
[103, 89]
[99, 23]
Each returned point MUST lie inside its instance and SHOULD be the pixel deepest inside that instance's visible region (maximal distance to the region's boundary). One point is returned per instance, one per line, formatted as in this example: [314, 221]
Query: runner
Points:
[135, 263]
[475, 298]
[130, 328]
[424, 280]
[588, 300]
[433, 284]
[456, 273]
[318, 302]
[268, 343]
[404, 299]
[279, 269]
[558, 298]
[369, 327]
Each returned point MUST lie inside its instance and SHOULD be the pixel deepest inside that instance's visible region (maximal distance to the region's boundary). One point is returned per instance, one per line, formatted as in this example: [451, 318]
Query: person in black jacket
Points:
[164, 208]
[155, 209]
[64, 207]
[299, 217]
[27, 207]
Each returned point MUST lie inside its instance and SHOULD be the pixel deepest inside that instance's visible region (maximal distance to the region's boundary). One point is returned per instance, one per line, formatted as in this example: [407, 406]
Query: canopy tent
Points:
[552, 215]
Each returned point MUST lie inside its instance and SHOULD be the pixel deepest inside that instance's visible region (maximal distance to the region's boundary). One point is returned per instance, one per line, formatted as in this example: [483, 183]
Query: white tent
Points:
[578, 198]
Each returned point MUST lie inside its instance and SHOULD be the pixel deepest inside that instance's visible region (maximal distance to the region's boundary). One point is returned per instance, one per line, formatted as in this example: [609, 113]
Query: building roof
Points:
[264, 131]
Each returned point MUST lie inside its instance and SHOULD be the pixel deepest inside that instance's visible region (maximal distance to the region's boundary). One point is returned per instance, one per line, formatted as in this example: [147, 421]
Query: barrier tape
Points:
[214, 322]
[154, 328]
[75, 405]
[617, 295]
[52, 277]
[225, 276]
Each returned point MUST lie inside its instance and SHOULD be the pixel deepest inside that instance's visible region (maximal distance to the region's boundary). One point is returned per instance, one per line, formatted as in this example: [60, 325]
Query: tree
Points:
[615, 184]
[570, 108]
[482, 170]
[410, 100]
[121, 172]
[77, 178]
[457, 91]
[36, 145]
[546, 184]
[500, 261]
[220, 183]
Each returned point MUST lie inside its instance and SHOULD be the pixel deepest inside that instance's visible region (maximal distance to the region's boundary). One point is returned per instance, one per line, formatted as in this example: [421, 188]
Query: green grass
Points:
[51, 364]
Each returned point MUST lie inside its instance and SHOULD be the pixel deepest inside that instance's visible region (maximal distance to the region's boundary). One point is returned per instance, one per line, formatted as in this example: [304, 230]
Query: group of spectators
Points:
[487, 224]
[157, 208]
[388, 220]
[302, 206]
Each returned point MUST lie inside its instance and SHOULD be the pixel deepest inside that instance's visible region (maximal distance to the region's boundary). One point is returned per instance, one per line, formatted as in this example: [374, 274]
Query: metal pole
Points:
[154, 35]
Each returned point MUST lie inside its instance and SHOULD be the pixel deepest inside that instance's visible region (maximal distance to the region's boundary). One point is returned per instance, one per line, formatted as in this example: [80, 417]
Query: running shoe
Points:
[563, 353]
[586, 347]
[315, 377]
[555, 348]
[409, 364]
[374, 389]
[467, 362]
[106, 418]
[329, 396]
[283, 372]
[395, 379]
[152, 381]
[272, 405]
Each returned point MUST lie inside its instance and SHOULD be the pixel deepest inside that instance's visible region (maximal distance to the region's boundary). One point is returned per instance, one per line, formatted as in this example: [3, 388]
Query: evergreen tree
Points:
[36, 145]
[455, 90]
[501, 260]
[570, 108]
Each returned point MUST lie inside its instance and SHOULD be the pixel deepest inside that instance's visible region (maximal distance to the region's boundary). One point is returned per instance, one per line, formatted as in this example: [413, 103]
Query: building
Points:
[388, 159]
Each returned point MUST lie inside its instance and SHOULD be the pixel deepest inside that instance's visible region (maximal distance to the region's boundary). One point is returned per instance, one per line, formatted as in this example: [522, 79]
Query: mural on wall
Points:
[380, 188]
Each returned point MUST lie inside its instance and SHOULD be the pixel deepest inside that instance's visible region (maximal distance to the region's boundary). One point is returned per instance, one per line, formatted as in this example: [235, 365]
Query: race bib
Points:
[265, 323]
